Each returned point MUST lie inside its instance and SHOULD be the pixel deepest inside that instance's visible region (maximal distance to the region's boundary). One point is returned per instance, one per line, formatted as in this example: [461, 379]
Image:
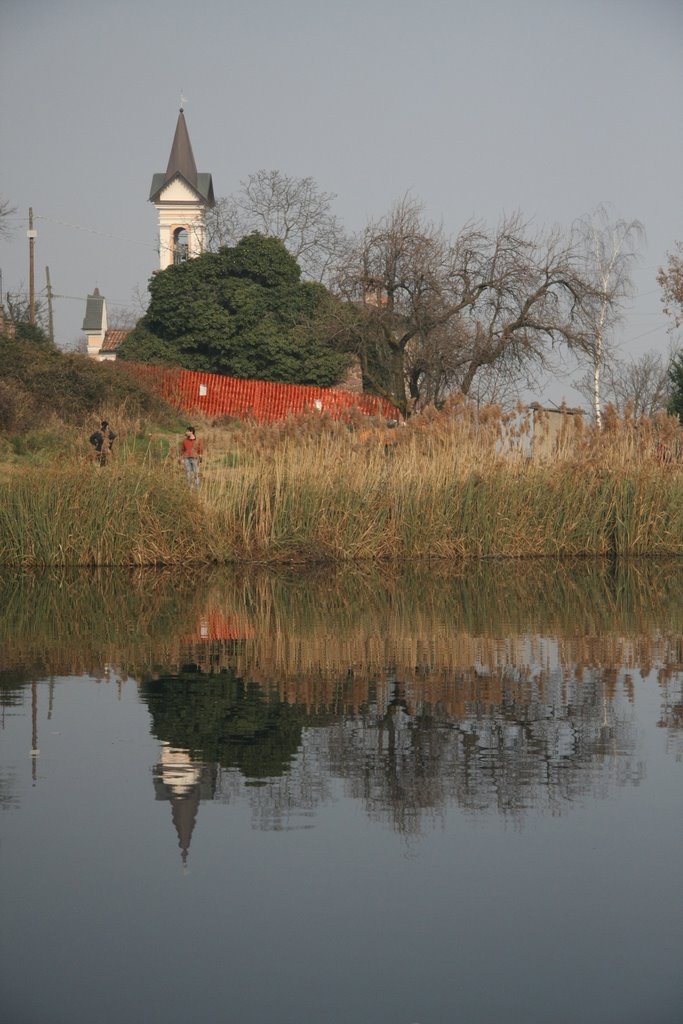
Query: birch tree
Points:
[610, 250]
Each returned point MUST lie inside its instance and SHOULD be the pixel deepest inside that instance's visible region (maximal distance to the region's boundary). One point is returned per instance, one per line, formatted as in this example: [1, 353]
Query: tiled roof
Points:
[112, 340]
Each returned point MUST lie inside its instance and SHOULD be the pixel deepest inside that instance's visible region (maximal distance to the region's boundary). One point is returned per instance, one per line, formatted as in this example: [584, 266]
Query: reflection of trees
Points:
[223, 720]
[515, 678]
[542, 743]
[671, 684]
[219, 734]
[531, 750]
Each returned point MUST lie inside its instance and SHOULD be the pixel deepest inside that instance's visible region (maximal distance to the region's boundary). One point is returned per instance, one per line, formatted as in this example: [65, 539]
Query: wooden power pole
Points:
[31, 268]
[50, 321]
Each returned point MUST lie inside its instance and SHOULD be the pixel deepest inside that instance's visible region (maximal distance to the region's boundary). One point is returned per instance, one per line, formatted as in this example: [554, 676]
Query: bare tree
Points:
[641, 385]
[292, 209]
[396, 272]
[488, 303]
[670, 279]
[18, 306]
[520, 292]
[610, 250]
[6, 213]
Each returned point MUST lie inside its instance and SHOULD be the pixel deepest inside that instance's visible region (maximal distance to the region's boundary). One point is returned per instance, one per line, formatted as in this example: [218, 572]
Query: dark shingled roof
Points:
[181, 164]
[94, 310]
[181, 160]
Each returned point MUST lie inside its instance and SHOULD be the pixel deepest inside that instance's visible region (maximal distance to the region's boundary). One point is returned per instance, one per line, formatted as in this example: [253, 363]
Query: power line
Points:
[95, 231]
[81, 298]
[645, 334]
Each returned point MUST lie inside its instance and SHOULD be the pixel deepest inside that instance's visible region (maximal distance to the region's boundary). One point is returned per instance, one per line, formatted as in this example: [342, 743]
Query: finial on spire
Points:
[183, 101]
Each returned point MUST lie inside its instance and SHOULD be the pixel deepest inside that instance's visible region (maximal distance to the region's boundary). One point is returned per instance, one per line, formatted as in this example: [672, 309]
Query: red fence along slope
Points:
[214, 395]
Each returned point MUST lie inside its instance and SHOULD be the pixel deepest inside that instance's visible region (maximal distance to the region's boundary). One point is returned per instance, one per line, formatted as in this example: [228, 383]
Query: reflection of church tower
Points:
[181, 195]
[183, 782]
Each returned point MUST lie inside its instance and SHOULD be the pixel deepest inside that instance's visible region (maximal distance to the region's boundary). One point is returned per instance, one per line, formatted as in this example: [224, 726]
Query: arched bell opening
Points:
[180, 245]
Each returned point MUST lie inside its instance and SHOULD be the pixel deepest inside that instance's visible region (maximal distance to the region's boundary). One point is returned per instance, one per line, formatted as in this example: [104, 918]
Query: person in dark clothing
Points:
[102, 441]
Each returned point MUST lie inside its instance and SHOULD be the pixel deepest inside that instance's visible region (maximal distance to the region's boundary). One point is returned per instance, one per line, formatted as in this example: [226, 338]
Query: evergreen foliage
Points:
[26, 331]
[242, 311]
[226, 720]
[676, 378]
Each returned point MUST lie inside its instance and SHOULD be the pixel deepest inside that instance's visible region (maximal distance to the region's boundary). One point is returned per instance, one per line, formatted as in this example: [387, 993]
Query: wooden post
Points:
[50, 321]
[31, 268]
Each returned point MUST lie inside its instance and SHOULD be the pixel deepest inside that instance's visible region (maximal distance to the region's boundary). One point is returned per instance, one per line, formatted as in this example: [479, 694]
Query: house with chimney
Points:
[102, 340]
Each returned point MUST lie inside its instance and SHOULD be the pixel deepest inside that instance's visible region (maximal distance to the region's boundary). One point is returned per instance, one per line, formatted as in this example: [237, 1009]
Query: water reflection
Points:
[184, 782]
[502, 688]
[510, 747]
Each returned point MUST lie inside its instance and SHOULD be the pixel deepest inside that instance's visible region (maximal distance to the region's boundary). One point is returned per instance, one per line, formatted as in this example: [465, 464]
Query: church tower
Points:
[182, 196]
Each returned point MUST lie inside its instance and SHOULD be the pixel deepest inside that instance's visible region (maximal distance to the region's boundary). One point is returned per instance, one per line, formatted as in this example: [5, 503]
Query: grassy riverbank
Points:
[448, 485]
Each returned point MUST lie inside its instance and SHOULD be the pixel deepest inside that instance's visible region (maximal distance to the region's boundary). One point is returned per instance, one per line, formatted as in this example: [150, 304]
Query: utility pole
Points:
[50, 321]
[31, 234]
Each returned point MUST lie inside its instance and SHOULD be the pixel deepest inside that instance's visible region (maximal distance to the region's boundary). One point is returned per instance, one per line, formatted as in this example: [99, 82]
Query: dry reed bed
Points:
[448, 485]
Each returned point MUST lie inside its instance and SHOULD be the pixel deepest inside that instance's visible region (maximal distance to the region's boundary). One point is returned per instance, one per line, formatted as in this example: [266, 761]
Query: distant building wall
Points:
[353, 379]
[554, 430]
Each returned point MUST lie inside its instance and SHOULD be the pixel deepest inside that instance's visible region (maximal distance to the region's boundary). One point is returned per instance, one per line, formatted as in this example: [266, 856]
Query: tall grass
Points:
[80, 514]
[450, 485]
[442, 490]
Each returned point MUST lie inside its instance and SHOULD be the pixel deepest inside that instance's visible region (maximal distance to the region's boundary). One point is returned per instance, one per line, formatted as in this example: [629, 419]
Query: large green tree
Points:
[676, 383]
[242, 311]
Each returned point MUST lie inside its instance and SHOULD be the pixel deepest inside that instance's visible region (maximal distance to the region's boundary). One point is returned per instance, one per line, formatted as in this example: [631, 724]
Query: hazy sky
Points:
[479, 109]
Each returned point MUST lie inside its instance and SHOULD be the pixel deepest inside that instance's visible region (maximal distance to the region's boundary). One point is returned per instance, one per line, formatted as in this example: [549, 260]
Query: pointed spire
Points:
[181, 160]
[184, 813]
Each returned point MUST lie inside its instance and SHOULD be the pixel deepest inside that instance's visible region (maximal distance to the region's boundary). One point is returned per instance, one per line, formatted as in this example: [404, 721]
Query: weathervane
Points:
[183, 101]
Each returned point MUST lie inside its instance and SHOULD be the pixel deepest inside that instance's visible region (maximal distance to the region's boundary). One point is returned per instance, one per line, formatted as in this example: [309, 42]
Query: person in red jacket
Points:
[191, 455]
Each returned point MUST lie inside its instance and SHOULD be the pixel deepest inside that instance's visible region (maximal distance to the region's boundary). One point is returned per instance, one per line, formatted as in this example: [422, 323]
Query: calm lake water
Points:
[453, 795]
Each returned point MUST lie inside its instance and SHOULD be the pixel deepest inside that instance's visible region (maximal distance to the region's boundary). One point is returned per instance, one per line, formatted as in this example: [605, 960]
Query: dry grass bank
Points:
[447, 485]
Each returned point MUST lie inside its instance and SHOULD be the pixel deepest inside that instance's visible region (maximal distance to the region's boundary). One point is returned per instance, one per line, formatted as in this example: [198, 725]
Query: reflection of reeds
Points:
[72, 622]
[306, 633]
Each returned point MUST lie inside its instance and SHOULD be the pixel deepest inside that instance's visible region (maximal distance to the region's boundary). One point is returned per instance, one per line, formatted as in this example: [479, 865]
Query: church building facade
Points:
[181, 195]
